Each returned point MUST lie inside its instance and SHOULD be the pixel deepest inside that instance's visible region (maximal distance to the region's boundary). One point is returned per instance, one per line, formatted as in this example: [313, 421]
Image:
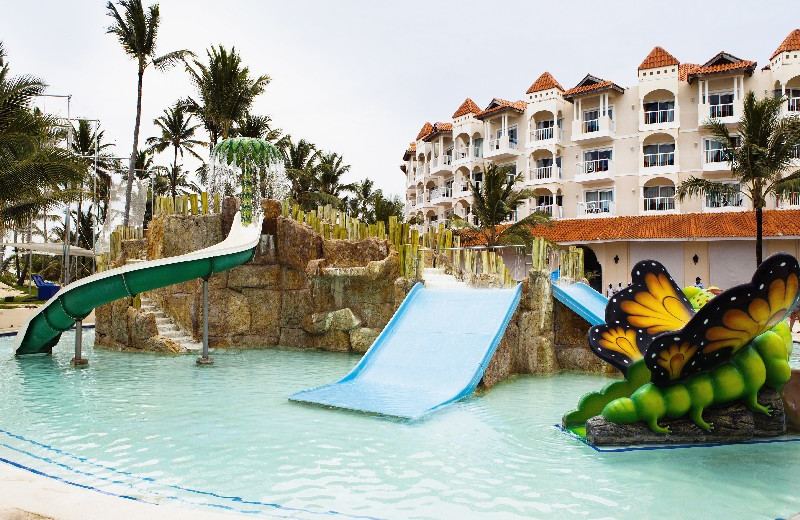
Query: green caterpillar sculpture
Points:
[726, 351]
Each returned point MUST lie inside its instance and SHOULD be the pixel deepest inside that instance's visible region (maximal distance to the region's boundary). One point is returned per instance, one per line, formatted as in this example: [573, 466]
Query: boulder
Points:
[732, 423]
[271, 209]
[229, 314]
[230, 205]
[254, 276]
[323, 322]
[297, 244]
[791, 398]
[361, 339]
[295, 305]
[265, 313]
[333, 340]
[349, 253]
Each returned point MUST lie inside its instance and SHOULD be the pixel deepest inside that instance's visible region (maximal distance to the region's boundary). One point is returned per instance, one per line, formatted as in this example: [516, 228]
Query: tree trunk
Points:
[759, 233]
[174, 176]
[132, 164]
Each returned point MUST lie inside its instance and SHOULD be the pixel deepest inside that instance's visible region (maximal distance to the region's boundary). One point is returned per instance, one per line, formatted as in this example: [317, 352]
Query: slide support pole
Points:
[78, 361]
[205, 359]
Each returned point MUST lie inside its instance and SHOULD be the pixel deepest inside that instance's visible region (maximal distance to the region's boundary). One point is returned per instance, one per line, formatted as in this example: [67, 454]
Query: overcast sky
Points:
[361, 77]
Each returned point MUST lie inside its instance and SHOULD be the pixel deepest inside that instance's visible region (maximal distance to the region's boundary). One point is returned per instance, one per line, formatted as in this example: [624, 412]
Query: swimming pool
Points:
[163, 430]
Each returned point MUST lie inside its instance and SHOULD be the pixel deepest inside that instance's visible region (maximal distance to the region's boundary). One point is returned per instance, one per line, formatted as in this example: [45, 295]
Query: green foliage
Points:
[177, 132]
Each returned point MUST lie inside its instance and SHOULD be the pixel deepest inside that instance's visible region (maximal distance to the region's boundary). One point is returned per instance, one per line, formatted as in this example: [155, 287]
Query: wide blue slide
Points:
[432, 352]
[583, 300]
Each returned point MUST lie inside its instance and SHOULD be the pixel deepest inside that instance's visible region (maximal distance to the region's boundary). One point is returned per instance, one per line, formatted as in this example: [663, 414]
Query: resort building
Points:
[604, 157]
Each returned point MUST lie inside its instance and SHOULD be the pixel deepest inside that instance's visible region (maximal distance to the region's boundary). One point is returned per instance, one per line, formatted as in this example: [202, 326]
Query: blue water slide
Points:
[583, 300]
[432, 352]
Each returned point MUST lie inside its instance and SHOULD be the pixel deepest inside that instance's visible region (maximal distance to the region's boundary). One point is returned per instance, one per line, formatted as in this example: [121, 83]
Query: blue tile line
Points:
[154, 481]
[670, 446]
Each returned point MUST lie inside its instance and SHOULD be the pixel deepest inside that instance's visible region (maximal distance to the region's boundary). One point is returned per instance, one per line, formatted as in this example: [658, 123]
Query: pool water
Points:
[163, 430]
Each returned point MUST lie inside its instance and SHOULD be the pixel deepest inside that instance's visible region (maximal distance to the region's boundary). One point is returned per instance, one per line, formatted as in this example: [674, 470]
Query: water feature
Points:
[163, 430]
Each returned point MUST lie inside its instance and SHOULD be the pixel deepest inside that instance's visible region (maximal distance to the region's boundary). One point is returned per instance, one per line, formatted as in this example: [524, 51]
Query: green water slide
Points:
[75, 301]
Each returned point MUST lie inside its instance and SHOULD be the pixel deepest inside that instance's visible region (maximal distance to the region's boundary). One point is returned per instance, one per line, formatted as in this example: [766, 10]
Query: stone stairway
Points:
[436, 278]
[167, 328]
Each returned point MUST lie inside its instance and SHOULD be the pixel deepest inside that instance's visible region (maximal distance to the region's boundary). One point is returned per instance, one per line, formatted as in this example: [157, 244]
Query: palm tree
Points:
[759, 152]
[137, 32]
[329, 175]
[383, 207]
[177, 132]
[33, 170]
[225, 90]
[360, 205]
[258, 127]
[301, 160]
[494, 203]
[85, 140]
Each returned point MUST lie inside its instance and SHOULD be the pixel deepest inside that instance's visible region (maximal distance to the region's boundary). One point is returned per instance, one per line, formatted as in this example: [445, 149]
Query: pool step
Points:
[167, 328]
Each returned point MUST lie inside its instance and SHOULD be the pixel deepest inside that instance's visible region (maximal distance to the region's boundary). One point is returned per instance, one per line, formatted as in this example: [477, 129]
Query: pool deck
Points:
[28, 496]
[12, 319]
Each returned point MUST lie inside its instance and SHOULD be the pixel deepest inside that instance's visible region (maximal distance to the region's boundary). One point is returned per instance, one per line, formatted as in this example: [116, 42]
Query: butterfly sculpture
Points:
[696, 358]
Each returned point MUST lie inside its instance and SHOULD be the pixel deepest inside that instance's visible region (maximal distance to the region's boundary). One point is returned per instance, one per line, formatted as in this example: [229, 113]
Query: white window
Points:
[715, 151]
[599, 201]
[659, 112]
[735, 200]
[596, 160]
[721, 104]
[659, 198]
[660, 154]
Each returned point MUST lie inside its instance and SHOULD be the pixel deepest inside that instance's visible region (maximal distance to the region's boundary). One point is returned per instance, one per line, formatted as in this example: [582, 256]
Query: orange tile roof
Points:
[722, 62]
[790, 43]
[437, 129]
[498, 104]
[665, 227]
[412, 148]
[590, 83]
[467, 107]
[545, 82]
[427, 128]
[658, 57]
[684, 69]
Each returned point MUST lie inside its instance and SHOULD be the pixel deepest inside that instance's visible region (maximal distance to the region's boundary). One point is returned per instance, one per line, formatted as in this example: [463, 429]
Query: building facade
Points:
[599, 150]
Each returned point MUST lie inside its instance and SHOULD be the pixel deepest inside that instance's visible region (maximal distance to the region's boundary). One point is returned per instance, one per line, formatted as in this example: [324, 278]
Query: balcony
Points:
[725, 112]
[461, 155]
[596, 170]
[659, 204]
[790, 201]
[715, 160]
[442, 164]
[597, 208]
[440, 196]
[601, 129]
[659, 163]
[724, 204]
[652, 120]
[543, 137]
[551, 210]
[461, 190]
[545, 174]
[792, 107]
[501, 148]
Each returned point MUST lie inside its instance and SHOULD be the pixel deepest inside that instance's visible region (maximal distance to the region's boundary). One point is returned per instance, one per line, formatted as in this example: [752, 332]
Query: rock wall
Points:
[299, 290]
[122, 326]
[543, 337]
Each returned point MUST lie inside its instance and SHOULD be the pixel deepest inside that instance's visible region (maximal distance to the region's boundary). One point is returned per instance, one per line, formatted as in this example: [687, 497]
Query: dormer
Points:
[501, 120]
[720, 87]
[785, 65]
[594, 109]
[545, 112]
[658, 91]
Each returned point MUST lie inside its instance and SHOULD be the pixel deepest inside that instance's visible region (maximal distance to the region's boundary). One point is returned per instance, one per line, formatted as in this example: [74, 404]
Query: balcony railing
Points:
[659, 203]
[722, 110]
[545, 173]
[447, 159]
[659, 159]
[597, 208]
[654, 117]
[720, 202]
[461, 154]
[548, 209]
[791, 200]
[496, 144]
[597, 165]
[543, 134]
[592, 125]
[439, 193]
[793, 105]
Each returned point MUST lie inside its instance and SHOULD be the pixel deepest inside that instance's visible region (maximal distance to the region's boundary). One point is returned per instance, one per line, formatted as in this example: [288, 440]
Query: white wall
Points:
[733, 262]
[669, 254]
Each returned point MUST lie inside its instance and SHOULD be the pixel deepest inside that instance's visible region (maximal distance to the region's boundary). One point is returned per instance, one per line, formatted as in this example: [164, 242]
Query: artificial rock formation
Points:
[299, 291]
[122, 326]
[732, 423]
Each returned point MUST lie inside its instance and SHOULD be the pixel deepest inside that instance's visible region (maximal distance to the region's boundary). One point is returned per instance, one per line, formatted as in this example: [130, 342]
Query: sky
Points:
[361, 77]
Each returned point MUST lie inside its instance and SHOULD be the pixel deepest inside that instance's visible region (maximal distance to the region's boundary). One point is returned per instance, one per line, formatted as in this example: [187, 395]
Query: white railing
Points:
[659, 159]
[548, 209]
[715, 155]
[543, 134]
[721, 110]
[461, 154]
[793, 105]
[597, 165]
[597, 207]
[659, 203]
[497, 144]
[439, 193]
[447, 160]
[724, 201]
[545, 172]
[591, 125]
[791, 200]
[654, 117]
